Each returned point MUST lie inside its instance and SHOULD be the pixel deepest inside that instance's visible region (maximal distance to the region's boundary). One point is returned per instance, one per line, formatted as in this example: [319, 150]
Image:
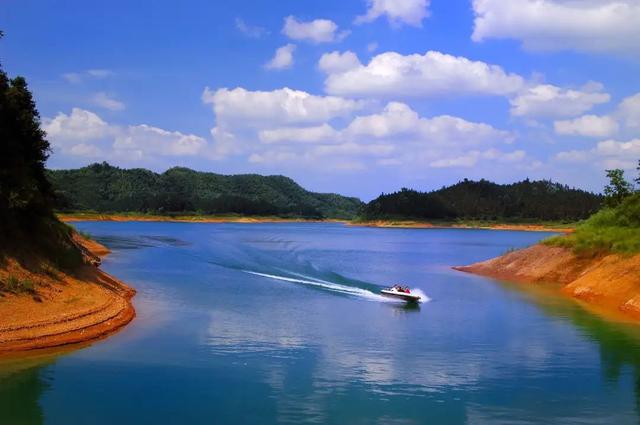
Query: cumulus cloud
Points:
[397, 12]
[546, 100]
[629, 112]
[79, 125]
[316, 31]
[399, 120]
[336, 62]
[432, 74]
[590, 26]
[292, 128]
[103, 100]
[250, 31]
[283, 58]
[315, 134]
[278, 107]
[587, 125]
[606, 154]
[156, 141]
[83, 133]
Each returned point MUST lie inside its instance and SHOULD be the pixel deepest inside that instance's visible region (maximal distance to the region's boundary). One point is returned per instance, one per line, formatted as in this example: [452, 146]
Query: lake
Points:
[282, 324]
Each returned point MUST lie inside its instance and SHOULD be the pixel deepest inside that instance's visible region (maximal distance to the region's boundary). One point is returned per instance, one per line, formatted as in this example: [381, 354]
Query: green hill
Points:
[484, 200]
[104, 188]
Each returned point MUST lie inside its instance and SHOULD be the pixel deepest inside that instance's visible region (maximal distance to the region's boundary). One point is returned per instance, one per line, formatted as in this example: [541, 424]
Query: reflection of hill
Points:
[21, 386]
[619, 343]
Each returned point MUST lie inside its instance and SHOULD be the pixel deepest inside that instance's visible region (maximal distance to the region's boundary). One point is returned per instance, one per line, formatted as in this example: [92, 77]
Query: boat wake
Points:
[336, 287]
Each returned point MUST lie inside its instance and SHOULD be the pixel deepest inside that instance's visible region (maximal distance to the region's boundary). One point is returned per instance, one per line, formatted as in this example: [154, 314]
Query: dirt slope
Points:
[610, 282]
[62, 308]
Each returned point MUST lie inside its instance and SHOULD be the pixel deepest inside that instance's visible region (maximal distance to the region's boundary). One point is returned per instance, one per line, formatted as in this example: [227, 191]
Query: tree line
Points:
[485, 200]
[104, 188]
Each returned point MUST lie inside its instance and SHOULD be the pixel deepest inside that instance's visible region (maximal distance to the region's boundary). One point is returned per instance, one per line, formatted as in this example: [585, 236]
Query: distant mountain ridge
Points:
[105, 188]
[483, 200]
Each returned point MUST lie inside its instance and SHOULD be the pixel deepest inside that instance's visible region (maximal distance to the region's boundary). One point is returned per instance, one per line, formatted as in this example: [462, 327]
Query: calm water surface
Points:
[280, 323]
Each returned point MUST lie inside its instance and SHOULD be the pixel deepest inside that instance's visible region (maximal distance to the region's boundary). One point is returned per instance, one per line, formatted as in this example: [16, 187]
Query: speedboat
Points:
[400, 292]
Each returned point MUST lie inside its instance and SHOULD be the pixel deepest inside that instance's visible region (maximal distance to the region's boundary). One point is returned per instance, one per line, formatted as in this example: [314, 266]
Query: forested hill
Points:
[104, 188]
[484, 200]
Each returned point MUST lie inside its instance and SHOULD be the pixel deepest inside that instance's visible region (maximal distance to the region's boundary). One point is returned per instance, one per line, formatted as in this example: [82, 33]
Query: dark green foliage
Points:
[484, 200]
[614, 229]
[27, 222]
[104, 188]
[617, 189]
[637, 179]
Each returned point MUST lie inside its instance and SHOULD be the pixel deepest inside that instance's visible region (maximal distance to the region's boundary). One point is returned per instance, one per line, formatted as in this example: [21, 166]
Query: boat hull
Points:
[400, 295]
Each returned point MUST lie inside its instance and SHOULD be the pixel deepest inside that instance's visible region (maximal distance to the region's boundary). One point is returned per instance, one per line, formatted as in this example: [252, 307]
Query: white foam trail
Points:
[343, 289]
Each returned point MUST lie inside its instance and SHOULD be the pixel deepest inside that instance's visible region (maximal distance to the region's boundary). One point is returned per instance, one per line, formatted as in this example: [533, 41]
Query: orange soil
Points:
[184, 219]
[427, 225]
[63, 308]
[608, 282]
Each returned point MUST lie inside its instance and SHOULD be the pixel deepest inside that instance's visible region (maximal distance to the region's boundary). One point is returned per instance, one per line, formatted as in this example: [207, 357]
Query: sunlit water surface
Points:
[282, 323]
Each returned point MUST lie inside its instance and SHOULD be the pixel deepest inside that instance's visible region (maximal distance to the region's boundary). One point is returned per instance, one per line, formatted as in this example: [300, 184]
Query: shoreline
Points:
[71, 218]
[606, 284]
[65, 309]
[527, 227]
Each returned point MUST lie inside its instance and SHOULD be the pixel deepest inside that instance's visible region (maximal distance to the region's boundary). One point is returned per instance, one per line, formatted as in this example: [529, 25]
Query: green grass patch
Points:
[19, 286]
[610, 230]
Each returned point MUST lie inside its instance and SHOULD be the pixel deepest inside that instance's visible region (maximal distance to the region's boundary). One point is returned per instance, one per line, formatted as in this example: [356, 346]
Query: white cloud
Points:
[398, 119]
[573, 156]
[79, 77]
[372, 47]
[546, 100]
[291, 128]
[316, 31]
[587, 125]
[100, 73]
[629, 111]
[432, 74]
[104, 101]
[250, 31]
[397, 12]
[613, 148]
[84, 134]
[275, 108]
[86, 150]
[336, 62]
[471, 158]
[316, 134]
[80, 125]
[283, 58]
[587, 25]
[606, 154]
[156, 141]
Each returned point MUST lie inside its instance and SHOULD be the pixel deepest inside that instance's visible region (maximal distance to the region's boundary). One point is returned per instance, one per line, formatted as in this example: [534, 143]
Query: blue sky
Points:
[357, 97]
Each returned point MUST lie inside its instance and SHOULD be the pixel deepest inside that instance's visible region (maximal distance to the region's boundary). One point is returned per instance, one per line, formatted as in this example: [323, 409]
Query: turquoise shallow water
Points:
[280, 323]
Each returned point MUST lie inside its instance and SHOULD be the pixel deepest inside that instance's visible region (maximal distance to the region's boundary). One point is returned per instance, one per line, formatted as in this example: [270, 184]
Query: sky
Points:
[357, 97]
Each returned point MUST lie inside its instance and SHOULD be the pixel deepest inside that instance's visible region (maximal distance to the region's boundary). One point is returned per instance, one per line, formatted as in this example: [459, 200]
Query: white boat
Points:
[402, 293]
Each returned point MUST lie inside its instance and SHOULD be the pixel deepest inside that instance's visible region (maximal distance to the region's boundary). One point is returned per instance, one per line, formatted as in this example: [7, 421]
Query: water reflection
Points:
[618, 342]
[23, 381]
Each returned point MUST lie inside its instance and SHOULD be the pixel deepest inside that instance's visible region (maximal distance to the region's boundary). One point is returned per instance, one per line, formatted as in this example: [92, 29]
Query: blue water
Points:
[281, 324]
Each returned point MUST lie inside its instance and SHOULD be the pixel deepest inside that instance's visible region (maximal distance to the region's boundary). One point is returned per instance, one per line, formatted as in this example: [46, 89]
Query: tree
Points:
[25, 192]
[617, 189]
[638, 178]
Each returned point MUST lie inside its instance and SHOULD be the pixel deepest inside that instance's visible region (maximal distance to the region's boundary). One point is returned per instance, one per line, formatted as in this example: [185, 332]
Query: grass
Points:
[19, 286]
[85, 235]
[614, 230]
